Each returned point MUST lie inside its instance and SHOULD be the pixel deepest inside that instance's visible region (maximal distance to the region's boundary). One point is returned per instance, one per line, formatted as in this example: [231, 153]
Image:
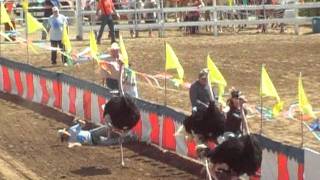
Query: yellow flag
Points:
[267, 89]
[33, 24]
[123, 52]
[5, 18]
[216, 77]
[172, 62]
[230, 2]
[25, 5]
[93, 46]
[65, 39]
[304, 104]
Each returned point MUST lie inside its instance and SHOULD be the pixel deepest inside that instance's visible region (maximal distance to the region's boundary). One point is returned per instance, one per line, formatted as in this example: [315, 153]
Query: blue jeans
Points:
[106, 19]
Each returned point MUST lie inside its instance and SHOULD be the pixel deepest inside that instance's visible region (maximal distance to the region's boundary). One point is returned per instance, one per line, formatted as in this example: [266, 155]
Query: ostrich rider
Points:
[200, 92]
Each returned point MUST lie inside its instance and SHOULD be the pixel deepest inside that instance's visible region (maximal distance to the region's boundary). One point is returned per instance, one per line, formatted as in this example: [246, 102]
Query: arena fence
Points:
[263, 14]
[158, 123]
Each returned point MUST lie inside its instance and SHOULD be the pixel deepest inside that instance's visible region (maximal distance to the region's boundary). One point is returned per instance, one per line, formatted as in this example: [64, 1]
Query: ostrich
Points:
[121, 113]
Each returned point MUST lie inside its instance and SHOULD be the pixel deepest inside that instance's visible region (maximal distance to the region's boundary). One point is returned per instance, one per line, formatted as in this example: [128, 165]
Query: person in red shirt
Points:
[107, 9]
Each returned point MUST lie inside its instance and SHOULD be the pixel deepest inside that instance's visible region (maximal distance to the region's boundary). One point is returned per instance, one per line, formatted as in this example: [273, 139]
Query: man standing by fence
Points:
[56, 23]
[107, 9]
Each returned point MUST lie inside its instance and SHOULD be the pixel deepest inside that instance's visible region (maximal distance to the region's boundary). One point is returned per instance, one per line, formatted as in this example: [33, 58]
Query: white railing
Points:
[161, 25]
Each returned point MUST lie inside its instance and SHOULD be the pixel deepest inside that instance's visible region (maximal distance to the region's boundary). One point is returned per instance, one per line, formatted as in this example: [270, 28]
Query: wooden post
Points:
[165, 75]
[261, 102]
[301, 124]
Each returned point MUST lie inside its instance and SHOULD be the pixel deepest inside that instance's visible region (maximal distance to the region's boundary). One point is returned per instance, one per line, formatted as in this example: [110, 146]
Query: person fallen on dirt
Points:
[315, 125]
[77, 136]
[199, 92]
[110, 68]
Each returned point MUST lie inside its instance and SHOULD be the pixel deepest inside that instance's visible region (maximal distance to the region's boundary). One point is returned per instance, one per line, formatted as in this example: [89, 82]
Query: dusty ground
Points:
[30, 149]
[239, 58]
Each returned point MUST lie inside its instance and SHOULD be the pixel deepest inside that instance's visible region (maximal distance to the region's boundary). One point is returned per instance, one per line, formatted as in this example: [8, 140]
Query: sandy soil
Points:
[30, 149]
[239, 58]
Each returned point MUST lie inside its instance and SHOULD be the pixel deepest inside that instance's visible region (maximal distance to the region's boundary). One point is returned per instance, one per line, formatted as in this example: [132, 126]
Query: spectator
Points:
[107, 9]
[56, 22]
[199, 92]
[110, 70]
[130, 82]
[151, 16]
[9, 5]
[48, 5]
[135, 18]
[194, 15]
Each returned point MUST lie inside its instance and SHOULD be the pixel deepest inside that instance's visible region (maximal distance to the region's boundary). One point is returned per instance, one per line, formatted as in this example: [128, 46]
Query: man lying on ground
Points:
[77, 136]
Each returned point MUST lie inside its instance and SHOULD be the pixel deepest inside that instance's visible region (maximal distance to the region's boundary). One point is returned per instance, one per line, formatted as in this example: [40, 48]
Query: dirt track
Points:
[30, 149]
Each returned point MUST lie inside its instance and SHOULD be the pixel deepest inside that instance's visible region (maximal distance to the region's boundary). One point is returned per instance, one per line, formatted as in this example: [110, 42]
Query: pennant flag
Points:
[172, 62]
[33, 24]
[230, 2]
[216, 77]
[123, 52]
[93, 46]
[267, 89]
[5, 18]
[25, 5]
[67, 44]
[304, 104]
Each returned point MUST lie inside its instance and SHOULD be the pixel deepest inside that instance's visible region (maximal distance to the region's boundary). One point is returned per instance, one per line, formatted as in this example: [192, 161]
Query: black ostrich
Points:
[121, 113]
[208, 123]
[235, 157]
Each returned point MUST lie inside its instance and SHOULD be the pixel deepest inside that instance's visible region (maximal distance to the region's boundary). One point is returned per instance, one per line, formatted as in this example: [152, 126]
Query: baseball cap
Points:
[203, 74]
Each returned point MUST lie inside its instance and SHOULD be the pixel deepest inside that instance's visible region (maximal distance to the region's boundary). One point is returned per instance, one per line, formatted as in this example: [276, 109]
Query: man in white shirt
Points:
[56, 22]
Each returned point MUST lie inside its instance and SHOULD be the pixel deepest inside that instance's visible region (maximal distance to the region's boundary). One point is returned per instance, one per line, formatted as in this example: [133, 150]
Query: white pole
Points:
[296, 26]
[121, 148]
[79, 19]
[207, 169]
[215, 26]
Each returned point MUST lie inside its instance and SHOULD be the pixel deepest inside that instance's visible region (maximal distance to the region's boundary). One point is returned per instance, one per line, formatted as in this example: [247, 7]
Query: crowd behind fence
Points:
[216, 17]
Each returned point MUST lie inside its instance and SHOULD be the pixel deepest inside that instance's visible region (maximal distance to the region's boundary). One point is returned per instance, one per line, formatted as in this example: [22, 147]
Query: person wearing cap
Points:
[199, 92]
[234, 119]
[76, 136]
[107, 9]
[56, 22]
[48, 5]
[109, 68]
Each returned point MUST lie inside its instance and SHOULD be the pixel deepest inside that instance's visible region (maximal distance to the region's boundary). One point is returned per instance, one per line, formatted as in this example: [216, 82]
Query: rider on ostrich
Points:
[233, 118]
[200, 92]
[236, 154]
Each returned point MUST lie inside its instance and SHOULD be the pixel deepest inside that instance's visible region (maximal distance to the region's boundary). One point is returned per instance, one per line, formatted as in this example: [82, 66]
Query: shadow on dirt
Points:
[142, 149]
[91, 171]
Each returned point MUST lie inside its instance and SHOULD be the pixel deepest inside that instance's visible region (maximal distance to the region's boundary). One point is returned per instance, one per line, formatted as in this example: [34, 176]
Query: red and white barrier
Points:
[155, 127]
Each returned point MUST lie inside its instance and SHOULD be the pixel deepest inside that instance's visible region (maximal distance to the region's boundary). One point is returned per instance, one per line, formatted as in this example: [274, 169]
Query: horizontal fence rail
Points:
[290, 17]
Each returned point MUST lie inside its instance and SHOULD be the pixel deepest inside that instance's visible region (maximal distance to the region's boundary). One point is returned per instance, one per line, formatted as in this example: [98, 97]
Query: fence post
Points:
[296, 25]
[162, 19]
[79, 19]
[215, 25]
